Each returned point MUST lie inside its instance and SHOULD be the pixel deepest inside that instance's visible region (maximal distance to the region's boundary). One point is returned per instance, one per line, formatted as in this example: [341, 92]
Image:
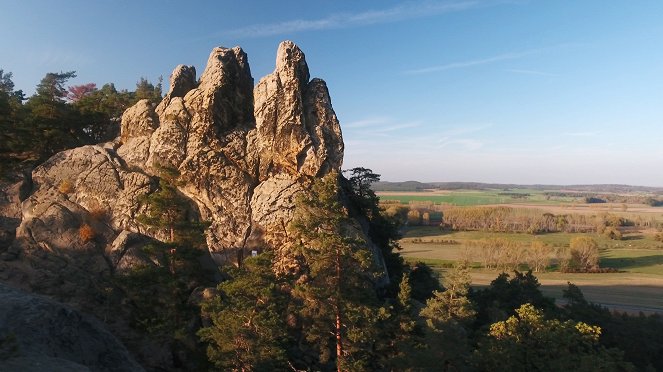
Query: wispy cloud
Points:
[401, 12]
[582, 134]
[471, 63]
[492, 59]
[367, 122]
[468, 144]
[530, 72]
[50, 56]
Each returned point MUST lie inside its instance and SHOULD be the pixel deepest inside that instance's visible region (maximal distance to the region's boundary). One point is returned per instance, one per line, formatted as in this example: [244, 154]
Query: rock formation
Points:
[242, 153]
[38, 334]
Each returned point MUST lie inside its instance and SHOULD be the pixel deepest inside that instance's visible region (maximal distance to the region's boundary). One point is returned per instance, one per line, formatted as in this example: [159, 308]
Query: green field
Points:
[637, 287]
[473, 197]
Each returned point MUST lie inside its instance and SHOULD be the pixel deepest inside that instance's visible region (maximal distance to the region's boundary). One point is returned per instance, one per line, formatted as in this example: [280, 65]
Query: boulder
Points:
[38, 334]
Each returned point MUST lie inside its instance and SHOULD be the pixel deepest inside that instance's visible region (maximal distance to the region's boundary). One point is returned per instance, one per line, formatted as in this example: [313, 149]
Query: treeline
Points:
[582, 255]
[577, 189]
[591, 197]
[535, 221]
[57, 117]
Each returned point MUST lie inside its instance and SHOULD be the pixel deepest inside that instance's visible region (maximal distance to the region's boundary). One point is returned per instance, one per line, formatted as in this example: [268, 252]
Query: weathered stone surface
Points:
[182, 80]
[243, 154]
[43, 333]
[298, 137]
[139, 120]
[93, 185]
[125, 253]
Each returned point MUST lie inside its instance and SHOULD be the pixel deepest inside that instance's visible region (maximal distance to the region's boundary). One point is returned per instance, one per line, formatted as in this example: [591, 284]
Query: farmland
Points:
[471, 197]
[637, 257]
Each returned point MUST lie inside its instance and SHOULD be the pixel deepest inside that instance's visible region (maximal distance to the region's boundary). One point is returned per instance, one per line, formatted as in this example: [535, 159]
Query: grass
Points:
[430, 234]
[473, 197]
[637, 288]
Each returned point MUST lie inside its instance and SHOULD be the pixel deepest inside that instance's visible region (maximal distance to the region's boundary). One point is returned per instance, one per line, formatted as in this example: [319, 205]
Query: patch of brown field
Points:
[626, 292]
[585, 208]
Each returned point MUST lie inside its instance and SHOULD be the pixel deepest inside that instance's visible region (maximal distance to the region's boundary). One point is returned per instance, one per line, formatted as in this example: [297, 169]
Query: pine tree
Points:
[448, 314]
[160, 291]
[248, 332]
[452, 306]
[336, 293]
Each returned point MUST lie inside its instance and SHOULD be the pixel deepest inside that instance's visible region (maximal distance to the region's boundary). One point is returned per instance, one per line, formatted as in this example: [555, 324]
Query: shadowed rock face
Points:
[41, 335]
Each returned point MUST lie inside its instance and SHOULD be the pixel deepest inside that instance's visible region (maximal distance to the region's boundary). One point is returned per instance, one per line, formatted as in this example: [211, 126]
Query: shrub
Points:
[97, 212]
[86, 233]
[613, 233]
[584, 254]
[66, 187]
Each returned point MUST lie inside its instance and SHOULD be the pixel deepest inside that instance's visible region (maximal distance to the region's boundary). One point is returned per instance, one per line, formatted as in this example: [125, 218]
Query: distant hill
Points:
[421, 186]
[402, 186]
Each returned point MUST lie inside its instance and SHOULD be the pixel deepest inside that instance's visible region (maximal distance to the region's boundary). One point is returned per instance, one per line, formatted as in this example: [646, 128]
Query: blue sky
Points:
[538, 91]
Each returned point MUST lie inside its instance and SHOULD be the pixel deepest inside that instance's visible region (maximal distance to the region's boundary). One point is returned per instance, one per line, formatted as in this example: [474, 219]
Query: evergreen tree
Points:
[248, 332]
[361, 180]
[383, 229]
[52, 124]
[448, 314]
[101, 111]
[149, 91]
[12, 138]
[338, 302]
[160, 291]
[450, 307]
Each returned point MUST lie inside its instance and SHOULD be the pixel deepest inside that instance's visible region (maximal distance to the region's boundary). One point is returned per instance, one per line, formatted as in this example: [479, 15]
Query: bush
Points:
[97, 212]
[86, 233]
[613, 233]
[584, 254]
[66, 187]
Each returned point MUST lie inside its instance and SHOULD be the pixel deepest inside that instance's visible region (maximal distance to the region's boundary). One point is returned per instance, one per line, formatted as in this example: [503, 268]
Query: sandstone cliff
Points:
[243, 154]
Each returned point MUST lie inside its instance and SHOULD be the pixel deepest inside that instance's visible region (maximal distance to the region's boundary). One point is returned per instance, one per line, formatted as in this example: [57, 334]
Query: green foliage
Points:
[52, 86]
[450, 307]
[505, 294]
[170, 212]
[101, 111]
[640, 337]
[52, 123]
[149, 91]
[248, 330]
[338, 304]
[160, 290]
[361, 180]
[528, 342]
[424, 282]
[11, 138]
[49, 122]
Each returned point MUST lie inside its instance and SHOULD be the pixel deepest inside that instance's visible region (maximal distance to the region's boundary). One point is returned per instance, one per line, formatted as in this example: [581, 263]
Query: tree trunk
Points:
[337, 310]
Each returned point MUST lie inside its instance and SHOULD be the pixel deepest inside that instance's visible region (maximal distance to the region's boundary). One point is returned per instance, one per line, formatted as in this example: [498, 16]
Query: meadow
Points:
[638, 257]
[474, 197]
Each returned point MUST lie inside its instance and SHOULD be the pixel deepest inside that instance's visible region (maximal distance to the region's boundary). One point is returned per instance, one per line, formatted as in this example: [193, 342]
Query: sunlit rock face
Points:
[243, 153]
